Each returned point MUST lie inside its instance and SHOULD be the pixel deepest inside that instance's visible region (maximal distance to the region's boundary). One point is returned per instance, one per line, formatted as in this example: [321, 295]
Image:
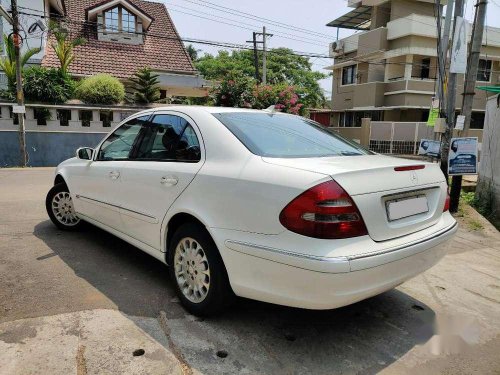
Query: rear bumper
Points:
[302, 280]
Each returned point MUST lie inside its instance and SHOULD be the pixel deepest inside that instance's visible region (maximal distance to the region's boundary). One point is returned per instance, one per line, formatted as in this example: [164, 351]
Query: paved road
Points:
[84, 302]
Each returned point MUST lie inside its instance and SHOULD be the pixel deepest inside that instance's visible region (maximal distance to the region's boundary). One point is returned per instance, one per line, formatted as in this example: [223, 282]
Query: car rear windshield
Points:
[287, 136]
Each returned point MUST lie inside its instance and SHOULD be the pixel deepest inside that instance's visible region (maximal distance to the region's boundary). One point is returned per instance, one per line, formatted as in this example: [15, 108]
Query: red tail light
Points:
[324, 211]
[409, 168]
[447, 202]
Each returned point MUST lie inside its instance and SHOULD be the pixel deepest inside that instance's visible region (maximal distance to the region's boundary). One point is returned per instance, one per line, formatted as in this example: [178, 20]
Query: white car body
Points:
[238, 197]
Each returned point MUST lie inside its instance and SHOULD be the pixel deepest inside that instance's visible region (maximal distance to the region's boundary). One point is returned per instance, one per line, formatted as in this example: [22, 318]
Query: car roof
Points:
[206, 109]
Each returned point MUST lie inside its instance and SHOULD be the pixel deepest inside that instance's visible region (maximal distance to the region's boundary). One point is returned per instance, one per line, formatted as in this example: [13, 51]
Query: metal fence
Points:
[398, 137]
[387, 137]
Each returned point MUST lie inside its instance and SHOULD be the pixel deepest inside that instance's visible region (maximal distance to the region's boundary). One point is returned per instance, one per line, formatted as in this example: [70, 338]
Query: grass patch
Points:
[475, 225]
[468, 198]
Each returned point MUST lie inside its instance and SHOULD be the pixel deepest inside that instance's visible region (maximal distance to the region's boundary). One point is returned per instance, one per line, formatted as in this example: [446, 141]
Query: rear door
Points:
[166, 161]
[97, 185]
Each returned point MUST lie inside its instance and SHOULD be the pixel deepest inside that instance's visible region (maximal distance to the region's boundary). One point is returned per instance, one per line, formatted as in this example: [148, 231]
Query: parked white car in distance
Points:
[257, 204]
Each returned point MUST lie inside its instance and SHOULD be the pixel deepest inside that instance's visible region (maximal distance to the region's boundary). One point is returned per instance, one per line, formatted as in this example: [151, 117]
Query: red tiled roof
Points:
[161, 49]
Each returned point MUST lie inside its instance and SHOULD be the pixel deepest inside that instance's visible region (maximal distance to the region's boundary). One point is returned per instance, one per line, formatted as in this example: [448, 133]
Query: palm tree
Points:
[192, 52]
[63, 47]
[8, 63]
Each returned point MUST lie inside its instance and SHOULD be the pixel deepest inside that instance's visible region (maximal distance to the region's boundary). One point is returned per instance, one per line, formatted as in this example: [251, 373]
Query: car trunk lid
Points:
[395, 196]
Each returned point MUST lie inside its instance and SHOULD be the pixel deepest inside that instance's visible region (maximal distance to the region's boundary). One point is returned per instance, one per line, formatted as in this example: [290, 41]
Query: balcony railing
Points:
[373, 41]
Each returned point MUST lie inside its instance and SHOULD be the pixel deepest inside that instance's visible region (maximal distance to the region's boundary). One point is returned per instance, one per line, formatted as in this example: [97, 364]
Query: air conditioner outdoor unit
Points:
[338, 46]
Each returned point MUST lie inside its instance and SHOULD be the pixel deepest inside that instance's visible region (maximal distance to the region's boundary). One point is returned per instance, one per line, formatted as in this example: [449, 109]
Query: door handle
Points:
[169, 181]
[114, 175]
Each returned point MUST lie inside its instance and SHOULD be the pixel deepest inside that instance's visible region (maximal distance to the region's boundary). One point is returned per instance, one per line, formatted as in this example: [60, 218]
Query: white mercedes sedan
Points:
[257, 204]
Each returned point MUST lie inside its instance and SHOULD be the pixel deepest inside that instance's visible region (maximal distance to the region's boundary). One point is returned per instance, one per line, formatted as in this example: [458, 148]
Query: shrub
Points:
[101, 89]
[234, 91]
[282, 96]
[47, 85]
[240, 91]
[264, 96]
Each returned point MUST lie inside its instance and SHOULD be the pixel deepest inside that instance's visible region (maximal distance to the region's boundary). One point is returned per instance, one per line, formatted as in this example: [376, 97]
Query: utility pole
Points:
[255, 56]
[19, 83]
[443, 54]
[264, 56]
[451, 99]
[469, 85]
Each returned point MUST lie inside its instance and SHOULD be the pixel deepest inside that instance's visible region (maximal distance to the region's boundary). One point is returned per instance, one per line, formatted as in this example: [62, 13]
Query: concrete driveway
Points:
[88, 303]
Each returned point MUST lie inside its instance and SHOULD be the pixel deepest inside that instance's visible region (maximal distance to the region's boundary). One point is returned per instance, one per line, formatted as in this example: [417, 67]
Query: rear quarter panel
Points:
[245, 195]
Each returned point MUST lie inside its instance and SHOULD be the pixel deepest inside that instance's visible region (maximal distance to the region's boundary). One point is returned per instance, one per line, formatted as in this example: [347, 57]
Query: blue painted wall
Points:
[44, 149]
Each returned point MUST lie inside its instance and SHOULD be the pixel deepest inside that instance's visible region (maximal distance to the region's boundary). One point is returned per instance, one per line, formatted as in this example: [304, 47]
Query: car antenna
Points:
[271, 109]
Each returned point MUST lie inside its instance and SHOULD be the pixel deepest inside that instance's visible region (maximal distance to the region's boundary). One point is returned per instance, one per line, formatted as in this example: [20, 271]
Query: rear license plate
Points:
[405, 207]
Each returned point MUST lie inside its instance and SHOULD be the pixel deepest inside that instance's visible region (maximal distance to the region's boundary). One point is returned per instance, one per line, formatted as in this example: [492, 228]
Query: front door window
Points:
[119, 144]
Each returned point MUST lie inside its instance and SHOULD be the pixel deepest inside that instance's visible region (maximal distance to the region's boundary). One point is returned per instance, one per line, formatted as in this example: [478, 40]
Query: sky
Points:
[304, 23]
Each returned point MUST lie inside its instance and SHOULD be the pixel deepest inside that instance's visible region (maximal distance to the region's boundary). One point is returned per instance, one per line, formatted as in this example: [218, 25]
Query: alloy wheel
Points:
[63, 209]
[192, 271]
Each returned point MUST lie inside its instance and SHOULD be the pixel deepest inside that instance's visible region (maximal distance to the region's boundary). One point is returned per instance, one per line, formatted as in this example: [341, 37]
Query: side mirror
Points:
[85, 153]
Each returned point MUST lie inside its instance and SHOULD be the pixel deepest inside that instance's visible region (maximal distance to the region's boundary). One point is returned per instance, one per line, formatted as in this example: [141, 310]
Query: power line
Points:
[236, 12]
[229, 45]
[245, 28]
[189, 40]
[243, 23]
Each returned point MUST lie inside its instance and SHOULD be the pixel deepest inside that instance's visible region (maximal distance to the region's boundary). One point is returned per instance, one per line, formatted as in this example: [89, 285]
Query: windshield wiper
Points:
[350, 153]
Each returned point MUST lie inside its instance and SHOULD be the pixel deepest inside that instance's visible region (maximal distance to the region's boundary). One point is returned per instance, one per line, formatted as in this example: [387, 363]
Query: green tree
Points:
[145, 86]
[192, 52]
[8, 63]
[283, 66]
[63, 46]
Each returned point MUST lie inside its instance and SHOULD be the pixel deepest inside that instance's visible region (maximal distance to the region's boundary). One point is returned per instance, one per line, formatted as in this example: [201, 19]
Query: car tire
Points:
[197, 271]
[60, 208]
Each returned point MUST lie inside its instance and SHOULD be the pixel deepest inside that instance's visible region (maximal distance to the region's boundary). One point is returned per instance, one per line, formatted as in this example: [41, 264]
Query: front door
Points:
[165, 163]
[98, 183]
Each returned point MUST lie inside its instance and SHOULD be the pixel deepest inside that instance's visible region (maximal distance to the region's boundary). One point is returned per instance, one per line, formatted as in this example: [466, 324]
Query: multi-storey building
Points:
[387, 69]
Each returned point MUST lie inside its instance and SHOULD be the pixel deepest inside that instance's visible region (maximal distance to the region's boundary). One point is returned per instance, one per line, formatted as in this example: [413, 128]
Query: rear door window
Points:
[169, 138]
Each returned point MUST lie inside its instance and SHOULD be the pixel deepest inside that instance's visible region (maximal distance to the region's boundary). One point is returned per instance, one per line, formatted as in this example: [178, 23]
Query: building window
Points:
[111, 19]
[349, 75]
[346, 119]
[477, 120]
[484, 70]
[425, 68]
[350, 119]
[373, 115]
[128, 21]
[119, 19]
